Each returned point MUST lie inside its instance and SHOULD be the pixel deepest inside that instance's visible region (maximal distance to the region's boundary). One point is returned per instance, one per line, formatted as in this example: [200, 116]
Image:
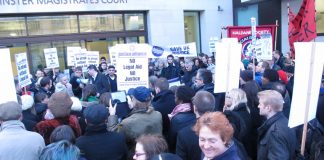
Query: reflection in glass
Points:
[141, 39]
[134, 21]
[101, 23]
[60, 53]
[191, 28]
[131, 39]
[37, 55]
[12, 27]
[319, 16]
[42, 25]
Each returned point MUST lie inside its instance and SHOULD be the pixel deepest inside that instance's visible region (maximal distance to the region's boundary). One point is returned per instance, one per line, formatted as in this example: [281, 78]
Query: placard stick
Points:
[302, 148]
[276, 35]
[25, 89]
[53, 72]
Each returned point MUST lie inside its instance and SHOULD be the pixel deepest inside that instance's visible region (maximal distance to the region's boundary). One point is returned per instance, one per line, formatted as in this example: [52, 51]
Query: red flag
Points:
[302, 27]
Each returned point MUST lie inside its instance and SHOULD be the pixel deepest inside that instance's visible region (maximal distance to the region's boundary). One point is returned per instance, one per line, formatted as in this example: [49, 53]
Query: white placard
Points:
[7, 84]
[93, 58]
[185, 50]
[112, 56]
[263, 47]
[307, 80]
[132, 65]
[71, 51]
[51, 58]
[22, 69]
[228, 60]
[81, 58]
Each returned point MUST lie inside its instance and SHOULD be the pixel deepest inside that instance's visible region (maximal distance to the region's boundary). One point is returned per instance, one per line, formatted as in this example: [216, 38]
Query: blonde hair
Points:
[272, 98]
[237, 96]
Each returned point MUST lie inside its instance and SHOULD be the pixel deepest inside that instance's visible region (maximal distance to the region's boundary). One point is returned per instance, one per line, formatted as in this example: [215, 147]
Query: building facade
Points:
[32, 25]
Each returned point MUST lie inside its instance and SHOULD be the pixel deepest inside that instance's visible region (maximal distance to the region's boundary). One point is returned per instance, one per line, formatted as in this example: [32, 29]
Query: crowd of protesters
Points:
[74, 117]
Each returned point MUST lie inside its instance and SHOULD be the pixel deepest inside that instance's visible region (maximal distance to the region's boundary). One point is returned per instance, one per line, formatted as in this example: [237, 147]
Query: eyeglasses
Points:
[139, 154]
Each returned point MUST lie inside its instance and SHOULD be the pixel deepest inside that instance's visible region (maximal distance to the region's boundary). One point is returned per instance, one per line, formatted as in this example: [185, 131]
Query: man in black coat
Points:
[164, 102]
[112, 77]
[275, 139]
[98, 79]
[172, 70]
[204, 82]
[187, 140]
[98, 143]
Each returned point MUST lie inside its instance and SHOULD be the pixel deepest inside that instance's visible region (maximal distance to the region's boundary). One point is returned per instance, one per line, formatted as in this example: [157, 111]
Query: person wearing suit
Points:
[98, 79]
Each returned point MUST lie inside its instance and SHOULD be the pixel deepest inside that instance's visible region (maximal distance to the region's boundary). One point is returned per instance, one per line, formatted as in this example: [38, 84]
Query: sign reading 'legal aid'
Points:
[132, 65]
[22, 69]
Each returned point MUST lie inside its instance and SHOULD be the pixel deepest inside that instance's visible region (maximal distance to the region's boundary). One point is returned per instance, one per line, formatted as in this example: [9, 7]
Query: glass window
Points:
[131, 39]
[141, 39]
[101, 23]
[319, 16]
[12, 27]
[134, 21]
[60, 53]
[191, 28]
[37, 55]
[43, 25]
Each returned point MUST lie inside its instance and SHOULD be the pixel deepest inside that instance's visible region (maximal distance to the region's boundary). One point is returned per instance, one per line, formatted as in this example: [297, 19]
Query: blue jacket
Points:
[229, 154]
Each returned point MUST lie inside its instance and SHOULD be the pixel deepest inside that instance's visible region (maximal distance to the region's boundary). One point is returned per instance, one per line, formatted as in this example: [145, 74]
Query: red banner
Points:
[244, 36]
[302, 27]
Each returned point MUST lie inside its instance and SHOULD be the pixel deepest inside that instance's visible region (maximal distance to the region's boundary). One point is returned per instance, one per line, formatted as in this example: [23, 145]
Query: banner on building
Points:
[302, 27]
[244, 36]
[132, 65]
[93, 58]
[22, 69]
[71, 51]
[51, 58]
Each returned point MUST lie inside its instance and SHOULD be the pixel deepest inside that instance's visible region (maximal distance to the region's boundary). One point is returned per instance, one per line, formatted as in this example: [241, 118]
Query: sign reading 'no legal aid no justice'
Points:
[132, 65]
[22, 69]
[51, 58]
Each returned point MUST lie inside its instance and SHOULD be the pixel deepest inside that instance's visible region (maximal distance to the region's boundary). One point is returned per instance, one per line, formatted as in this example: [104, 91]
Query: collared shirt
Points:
[95, 76]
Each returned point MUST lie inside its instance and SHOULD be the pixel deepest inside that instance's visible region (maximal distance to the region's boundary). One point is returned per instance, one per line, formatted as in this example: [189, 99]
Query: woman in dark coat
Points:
[182, 115]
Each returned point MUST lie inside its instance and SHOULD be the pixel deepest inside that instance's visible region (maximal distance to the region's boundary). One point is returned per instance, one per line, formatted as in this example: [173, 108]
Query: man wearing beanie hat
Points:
[60, 106]
[29, 116]
[16, 142]
[143, 119]
[98, 143]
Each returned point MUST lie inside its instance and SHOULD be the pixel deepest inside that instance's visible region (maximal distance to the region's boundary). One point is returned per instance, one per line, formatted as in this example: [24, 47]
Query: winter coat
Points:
[276, 140]
[164, 103]
[113, 83]
[19, 144]
[29, 120]
[77, 90]
[46, 127]
[139, 122]
[101, 82]
[99, 144]
[187, 77]
[230, 154]
[187, 146]
[170, 72]
[179, 121]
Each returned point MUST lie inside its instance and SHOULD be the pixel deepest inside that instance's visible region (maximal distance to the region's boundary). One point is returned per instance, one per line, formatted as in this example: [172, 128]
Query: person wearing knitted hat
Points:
[16, 142]
[59, 105]
[143, 119]
[30, 119]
